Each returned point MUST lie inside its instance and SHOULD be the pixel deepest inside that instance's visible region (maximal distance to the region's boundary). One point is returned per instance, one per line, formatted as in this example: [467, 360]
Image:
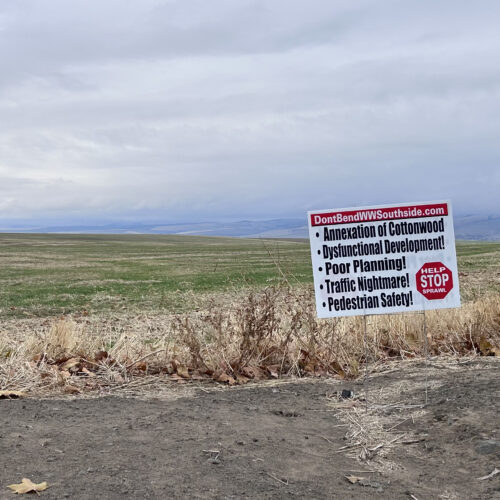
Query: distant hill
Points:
[475, 227]
[469, 227]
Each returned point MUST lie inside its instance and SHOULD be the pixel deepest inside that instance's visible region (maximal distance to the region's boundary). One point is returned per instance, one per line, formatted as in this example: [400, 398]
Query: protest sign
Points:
[384, 259]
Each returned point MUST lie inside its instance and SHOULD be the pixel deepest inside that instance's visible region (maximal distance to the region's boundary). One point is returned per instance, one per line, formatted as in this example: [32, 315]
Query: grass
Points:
[269, 333]
[85, 312]
[48, 275]
[51, 275]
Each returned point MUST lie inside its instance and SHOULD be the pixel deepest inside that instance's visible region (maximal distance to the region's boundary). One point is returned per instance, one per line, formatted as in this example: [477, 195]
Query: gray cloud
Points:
[194, 109]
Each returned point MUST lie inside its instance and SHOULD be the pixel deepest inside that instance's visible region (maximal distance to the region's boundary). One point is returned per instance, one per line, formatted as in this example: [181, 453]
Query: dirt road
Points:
[286, 439]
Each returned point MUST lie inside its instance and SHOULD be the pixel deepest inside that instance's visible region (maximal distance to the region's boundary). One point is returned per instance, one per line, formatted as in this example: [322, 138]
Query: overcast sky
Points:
[201, 109]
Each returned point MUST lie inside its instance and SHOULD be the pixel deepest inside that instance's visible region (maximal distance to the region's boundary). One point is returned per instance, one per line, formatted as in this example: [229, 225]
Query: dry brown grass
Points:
[258, 335]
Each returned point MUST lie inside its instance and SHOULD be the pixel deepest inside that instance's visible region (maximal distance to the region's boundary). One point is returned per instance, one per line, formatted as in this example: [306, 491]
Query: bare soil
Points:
[283, 439]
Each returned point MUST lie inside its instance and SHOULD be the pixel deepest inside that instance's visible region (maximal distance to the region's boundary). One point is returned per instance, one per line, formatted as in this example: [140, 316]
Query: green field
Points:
[46, 275]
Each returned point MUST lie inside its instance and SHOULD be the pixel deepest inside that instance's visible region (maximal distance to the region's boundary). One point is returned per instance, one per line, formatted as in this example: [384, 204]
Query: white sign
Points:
[384, 259]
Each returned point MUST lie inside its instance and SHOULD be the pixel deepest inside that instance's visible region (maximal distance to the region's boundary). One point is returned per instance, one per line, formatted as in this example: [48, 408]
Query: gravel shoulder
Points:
[281, 439]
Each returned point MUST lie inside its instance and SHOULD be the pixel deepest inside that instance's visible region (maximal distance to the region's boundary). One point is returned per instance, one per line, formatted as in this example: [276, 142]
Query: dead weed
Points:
[264, 334]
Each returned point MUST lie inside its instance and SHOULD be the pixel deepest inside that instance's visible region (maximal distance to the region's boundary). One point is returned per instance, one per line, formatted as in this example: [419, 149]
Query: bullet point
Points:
[317, 235]
[321, 287]
[324, 304]
[320, 268]
[319, 252]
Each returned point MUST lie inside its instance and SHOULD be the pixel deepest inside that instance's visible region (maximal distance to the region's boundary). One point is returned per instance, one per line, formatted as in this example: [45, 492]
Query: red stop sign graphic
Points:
[434, 280]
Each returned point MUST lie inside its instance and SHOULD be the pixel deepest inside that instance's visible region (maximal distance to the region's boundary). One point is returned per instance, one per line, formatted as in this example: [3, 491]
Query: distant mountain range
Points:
[469, 227]
[475, 227]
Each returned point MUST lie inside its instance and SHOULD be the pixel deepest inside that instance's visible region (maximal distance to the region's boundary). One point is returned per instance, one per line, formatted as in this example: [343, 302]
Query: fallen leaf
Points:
[355, 479]
[241, 379]
[71, 389]
[116, 377]
[487, 348]
[27, 486]
[84, 363]
[87, 372]
[199, 376]
[38, 358]
[225, 378]
[60, 361]
[182, 371]
[274, 370]
[253, 372]
[11, 394]
[338, 370]
[363, 481]
[100, 356]
[309, 367]
[70, 363]
[484, 346]
[207, 370]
